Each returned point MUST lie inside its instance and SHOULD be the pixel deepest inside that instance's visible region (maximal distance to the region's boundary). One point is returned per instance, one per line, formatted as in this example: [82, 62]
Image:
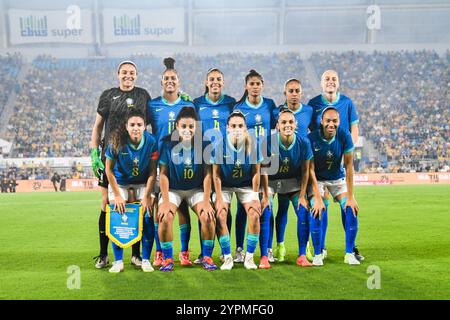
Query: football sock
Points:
[282, 217]
[104, 240]
[252, 241]
[200, 237]
[264, 231]
[241, 223]
[118, 252]
[302, 227]
[167, 249]
[324, 223]
[157, 242]
[351, 229]
[185, 234]
[225, 245]
[148, 236]
[208, 247]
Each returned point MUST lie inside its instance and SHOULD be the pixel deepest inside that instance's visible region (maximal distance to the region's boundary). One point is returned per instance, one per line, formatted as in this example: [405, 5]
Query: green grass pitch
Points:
[404, 231]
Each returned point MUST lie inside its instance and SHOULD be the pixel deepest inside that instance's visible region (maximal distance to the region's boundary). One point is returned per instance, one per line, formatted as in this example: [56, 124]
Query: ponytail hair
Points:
[119, 137]
[252, 73]
[207, 74]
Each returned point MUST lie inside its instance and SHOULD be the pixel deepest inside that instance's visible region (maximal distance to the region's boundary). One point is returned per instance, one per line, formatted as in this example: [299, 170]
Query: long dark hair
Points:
[120, 136]
[169, 63]
[252, 73]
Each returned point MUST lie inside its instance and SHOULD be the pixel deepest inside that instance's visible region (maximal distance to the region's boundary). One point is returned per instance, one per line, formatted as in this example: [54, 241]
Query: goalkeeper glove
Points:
[184, 96]
[96, 162]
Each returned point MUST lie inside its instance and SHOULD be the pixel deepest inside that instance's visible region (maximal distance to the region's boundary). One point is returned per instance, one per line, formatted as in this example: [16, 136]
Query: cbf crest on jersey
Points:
[124, 229]
[215, 114]
[258, 118]
[130, 103]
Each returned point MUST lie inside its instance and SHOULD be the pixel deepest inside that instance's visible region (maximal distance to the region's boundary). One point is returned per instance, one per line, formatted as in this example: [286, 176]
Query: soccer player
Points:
[163, 112]
[131, 165]
[330, 145]
[236, 169]
[213, 109]
[111, 110]
[303, 115]
[293, 156]
[258, 112]
[348, 121]
[183, 175]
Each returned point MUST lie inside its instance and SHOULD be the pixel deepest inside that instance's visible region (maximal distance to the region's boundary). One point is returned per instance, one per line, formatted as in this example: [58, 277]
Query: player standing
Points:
[131, 166]
[348, 121]
[330, 145]
[112, 108]
[303, 115]
[163, 112]
[258, 113]
[213, 109]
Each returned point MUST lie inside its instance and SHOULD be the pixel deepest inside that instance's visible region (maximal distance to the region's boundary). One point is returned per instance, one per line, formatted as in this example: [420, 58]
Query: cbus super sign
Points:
[57, 33]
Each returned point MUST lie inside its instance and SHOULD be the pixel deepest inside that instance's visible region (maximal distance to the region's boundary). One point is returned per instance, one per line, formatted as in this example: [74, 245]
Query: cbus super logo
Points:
[130, 25]
[37, 25]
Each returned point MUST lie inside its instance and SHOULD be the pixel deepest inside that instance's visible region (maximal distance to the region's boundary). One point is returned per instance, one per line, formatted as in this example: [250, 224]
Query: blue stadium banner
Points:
[124, 229]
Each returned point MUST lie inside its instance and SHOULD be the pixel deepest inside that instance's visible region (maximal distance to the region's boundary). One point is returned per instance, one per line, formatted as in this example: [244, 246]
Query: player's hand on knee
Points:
[351, 202]
[256, 207]
[206, 208]
[302, 202]
[220, 207]
[145, 203]
[318, 208]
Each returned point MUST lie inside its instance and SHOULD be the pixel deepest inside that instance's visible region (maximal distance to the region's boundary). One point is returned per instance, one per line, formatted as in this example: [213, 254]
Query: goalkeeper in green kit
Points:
[111, 111]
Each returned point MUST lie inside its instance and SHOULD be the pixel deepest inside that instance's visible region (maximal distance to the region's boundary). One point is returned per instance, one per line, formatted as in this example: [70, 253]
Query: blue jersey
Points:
[236, 165]
[328, 154]
[214, 115]
[162, 115]
[303, 115]
[259, 119]
[185, 170]
[132, 165]
[345, 107]
[291, 158]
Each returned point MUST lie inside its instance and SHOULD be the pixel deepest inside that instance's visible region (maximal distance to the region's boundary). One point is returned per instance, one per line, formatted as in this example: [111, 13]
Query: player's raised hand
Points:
[351, 202]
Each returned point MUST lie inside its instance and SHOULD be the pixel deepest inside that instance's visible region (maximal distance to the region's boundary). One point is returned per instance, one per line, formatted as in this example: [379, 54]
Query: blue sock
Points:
[302, 227]
[264, 231]
[148, 235]
[342, 204]
[282, 217]
[157, 242]
[167, 249]
[185, 235]
[351, 229]
[241, 223]
[229, 221]
[271, 228]
[118, 252]
[324, 223]
[252, 242]
[315, 226]
[208, 247]
[225, 244]
[200, 237]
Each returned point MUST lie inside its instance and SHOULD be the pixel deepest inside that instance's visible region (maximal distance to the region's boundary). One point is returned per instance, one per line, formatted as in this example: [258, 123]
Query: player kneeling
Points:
[131, 165]
[236, 169]
[182, 176]
[330, 144]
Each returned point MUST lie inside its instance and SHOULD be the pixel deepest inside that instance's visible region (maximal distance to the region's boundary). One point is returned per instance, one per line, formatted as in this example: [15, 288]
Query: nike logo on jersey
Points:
[124, 153]
[203, 108]
[158, 110]
[114, 98]
[316, 149]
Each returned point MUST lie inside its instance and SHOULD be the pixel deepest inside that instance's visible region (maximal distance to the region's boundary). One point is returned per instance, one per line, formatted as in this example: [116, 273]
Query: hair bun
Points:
[169, 63]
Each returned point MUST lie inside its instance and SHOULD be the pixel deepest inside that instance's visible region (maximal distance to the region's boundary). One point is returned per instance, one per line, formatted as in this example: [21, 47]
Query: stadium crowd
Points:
[402, 98]
[10, 65]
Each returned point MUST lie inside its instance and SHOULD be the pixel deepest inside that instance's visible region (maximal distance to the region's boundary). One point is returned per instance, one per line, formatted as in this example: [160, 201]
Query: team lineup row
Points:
[308, 167]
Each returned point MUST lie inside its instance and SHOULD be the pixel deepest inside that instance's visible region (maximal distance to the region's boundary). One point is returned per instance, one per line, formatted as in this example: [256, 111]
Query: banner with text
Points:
[50, 26]
[143, 25]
